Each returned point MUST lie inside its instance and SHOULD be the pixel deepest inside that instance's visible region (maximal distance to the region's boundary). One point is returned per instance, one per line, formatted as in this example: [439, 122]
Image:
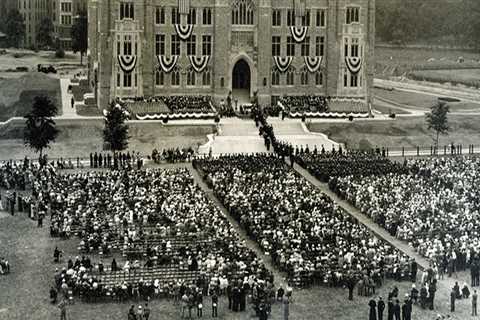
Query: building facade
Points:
[272, 48]
[33, 12]
[64, 14]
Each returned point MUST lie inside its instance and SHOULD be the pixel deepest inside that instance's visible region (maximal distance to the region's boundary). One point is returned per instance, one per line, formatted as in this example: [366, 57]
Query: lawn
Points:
[78, 138]
[397, 61]
[16, 95]
[413, 100]
[407, 132]
[468, 77]
[24, 292]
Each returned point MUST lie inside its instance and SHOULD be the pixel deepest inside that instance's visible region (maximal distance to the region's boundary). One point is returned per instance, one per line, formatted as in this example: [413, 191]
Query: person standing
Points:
[373, 310]
[453, 296]
[214, 305]
[380, 308]
[286, 308]
[396, 310]
[474, 303]
[63, 310]
[390, 309]
[146, 312]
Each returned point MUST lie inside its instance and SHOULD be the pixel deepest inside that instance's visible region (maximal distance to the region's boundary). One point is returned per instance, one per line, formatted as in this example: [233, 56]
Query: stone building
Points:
[148, 48]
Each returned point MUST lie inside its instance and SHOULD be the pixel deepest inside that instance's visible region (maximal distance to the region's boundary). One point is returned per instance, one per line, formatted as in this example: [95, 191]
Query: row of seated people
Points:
[326, 165]
[173, 155]
[305, 103]
[80, 278]
[169, 104]
[431, 203]
[300, 227]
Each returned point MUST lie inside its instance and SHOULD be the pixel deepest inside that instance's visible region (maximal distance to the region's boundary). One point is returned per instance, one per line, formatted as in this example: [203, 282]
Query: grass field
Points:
[402, 132]
[468, 77]
[24, 292]
[79, 138]
[397, 61]
[16, 95]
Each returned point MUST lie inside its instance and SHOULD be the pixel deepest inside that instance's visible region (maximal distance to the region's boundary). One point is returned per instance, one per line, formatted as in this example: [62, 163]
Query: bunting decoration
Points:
[313, 63]
[167, 64]
[184, 32]
[354, 64]
[127, 63]
[199, 63]
[299, 33]
[283, 63]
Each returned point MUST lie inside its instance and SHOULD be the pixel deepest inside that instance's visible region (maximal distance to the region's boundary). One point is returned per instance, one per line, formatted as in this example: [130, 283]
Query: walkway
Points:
[354, 212]
[279, 277]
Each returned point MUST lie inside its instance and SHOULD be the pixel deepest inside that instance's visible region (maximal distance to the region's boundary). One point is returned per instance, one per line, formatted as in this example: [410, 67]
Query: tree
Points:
[45, 32]
[80, 35]
[40, 129]
[15, 28]
[115, 133]
[437, 119]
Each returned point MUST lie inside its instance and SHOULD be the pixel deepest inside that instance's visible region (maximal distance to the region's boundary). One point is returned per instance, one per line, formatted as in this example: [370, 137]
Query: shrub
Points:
[60, 53]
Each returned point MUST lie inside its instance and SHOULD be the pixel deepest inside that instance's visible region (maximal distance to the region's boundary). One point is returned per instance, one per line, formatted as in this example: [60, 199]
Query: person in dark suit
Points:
[396, 310]
[373, 309]
[380, 308]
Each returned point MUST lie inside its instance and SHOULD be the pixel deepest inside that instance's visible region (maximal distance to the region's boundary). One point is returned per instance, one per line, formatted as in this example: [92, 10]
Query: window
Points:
[304, 77]
[175, 16]
[276, 18]
[176, 77]
[127, 10]
[276, 41]
[127, 45]
[353, 15]
[207, 16]
[192, 16]
[319, 78]
[192, 45]
[242, 12]
[346, 47]
[305, 47]
[207, 45]
[191, 77]
[290, 18]
[354, 48]
[345, 79]
[119, 81]
[306, 19]
[175, 45]
[353, 80]
[127, 80]
[160, 44]
[207, 77]
[159, 78]
[65, 20]
[290, 47]
[290, 77]
[160, 15]
[275, 77]
[321, 22]
[319, 46]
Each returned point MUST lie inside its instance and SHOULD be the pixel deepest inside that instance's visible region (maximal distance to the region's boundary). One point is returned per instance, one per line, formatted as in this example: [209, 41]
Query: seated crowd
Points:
[338, 163]
[305, 103]
[306, 234]
[104, 206]
[433, 204]
[168, 104]
[173, 155]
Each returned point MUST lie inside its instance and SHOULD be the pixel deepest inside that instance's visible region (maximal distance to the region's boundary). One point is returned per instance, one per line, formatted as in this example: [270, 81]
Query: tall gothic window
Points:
[242, 12]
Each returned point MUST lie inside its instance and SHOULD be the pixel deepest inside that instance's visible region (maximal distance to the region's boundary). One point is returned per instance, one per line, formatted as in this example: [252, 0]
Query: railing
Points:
[422, 151]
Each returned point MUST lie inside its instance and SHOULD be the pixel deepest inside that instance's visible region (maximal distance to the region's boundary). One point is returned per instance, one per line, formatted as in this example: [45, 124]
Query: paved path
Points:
[354, 212]
[68, 111]
[279, 277]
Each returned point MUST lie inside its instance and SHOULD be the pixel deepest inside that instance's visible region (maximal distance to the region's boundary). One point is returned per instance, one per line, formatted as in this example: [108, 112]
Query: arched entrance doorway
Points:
[241, 82]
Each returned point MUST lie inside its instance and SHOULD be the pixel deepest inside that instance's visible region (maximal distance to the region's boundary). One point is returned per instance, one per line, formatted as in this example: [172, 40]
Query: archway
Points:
[241, 82]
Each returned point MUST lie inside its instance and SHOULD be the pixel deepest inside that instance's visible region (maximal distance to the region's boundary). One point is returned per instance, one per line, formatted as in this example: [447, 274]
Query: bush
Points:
[60, 53]
[364, 145]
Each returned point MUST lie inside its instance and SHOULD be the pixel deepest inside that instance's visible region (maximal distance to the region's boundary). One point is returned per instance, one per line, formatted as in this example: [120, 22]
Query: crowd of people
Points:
[339, 163]
[173, 155]
[305, 233]
[305, 103]
[431, 203]
[106, 205]
[189, 104]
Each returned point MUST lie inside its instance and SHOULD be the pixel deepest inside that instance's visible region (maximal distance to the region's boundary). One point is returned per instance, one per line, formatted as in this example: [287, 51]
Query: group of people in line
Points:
[173, 155]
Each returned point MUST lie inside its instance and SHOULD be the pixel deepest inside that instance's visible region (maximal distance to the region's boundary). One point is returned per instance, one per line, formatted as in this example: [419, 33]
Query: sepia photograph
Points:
[239, 159]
